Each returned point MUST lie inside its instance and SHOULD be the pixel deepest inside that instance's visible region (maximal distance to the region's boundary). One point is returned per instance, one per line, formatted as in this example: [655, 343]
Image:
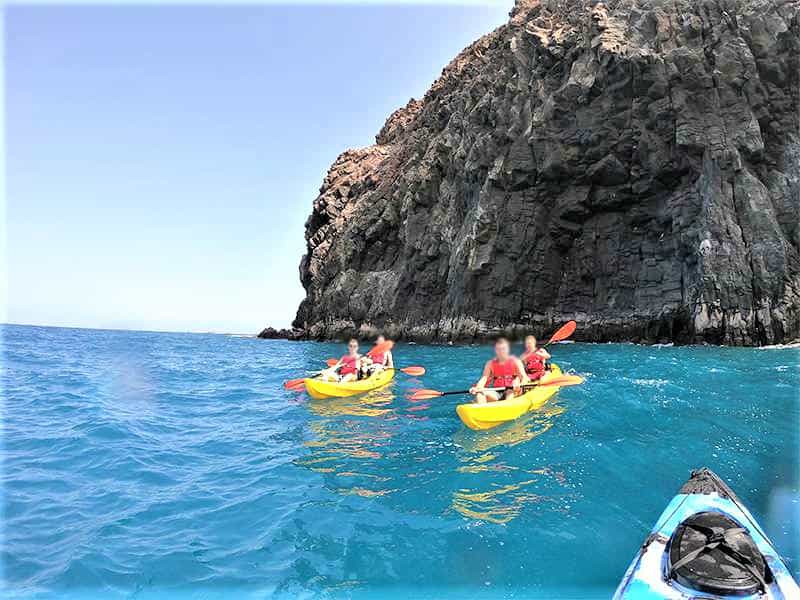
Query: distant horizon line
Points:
[5, 323]
[276, 3]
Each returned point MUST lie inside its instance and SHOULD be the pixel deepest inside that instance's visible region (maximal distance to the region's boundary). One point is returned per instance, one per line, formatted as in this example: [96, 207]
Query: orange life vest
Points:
[348, 364]
[534, 365]
[503, 374]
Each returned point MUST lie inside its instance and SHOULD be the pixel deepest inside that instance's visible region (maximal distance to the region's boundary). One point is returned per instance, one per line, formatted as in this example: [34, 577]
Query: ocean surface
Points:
[154, 465]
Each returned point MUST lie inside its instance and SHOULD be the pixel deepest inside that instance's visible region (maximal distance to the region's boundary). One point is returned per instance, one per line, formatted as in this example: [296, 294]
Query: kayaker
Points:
[348, 366]
[503, 371]
[534, 359]
[377, 361]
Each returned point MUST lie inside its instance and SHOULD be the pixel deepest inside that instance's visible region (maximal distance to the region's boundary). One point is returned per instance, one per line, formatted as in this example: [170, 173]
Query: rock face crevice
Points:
[632, 165]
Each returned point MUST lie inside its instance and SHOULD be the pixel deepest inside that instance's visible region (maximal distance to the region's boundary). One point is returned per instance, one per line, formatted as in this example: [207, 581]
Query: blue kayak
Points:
[707, 545]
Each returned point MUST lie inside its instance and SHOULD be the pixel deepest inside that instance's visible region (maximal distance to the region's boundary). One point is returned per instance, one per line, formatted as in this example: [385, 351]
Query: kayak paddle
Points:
[416, 371]
[297, 384]
[381, 348]
[560, 381]
[563, 333]
[294, 385]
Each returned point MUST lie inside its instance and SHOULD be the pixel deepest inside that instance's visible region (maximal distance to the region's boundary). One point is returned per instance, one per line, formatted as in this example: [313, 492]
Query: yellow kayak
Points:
[320, 390]
[492, 414]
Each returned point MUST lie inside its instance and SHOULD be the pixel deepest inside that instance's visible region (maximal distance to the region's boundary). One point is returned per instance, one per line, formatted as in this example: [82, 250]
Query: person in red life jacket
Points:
[348, 366]
[377, 361]
[534, 359]
[503, 371]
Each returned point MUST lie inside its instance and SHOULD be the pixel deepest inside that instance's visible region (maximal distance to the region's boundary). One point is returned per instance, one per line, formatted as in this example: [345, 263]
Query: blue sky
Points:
[161, 161]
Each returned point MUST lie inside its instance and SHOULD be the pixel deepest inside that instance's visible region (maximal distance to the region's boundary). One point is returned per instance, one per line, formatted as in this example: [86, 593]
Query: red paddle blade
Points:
[295, 384]
[425, 394]
[564, 332]
[414, 371]
[331, 362]
[563, 381]
[381, 348]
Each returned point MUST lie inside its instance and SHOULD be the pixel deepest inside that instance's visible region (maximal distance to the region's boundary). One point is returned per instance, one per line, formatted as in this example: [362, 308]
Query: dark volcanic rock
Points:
[270, 333]
[634, 166]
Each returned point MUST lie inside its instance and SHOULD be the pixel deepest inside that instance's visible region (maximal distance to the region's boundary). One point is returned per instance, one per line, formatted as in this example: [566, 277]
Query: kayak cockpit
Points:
[707, 544]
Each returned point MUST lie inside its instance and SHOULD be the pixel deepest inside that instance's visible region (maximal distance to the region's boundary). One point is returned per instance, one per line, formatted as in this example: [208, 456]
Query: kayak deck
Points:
[649, 575]
[485, 416]
[320, 390]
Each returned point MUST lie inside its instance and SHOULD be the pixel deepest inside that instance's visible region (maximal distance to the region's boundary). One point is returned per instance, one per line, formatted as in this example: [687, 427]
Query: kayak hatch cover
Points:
[706, 544]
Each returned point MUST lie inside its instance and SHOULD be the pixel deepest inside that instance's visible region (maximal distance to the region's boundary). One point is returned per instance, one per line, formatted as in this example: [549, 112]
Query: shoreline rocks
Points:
[270, 333]
[634, 166]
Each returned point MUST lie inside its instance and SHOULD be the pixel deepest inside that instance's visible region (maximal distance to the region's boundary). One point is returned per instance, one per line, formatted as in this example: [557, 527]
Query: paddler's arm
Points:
[543, 353]
[331, 371]
[389, 360]
[521, 375]
[487, 371]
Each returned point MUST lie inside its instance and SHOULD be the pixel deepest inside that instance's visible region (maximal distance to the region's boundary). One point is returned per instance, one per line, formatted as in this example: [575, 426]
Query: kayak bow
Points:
[706, 544]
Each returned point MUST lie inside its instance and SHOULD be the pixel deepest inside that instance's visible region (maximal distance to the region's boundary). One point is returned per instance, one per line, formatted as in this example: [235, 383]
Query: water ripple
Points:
[148, 465]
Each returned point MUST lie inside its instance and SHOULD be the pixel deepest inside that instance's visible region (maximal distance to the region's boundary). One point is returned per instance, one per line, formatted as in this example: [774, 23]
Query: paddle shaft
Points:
[411, 371]
[384, 369]
[552, 339]
[491, 389]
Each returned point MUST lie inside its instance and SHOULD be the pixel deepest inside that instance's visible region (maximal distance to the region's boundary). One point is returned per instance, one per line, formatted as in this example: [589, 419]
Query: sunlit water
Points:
[151, 464]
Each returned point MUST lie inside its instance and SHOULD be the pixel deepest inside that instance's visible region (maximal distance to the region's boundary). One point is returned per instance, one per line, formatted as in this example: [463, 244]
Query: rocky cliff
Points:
[633, 165]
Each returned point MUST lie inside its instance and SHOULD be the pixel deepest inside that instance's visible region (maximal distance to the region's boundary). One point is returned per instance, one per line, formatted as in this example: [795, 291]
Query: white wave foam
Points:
[791, 346]
[651, 382]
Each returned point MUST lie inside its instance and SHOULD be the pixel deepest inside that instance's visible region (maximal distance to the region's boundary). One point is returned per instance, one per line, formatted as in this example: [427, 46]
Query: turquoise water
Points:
[152, 464]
